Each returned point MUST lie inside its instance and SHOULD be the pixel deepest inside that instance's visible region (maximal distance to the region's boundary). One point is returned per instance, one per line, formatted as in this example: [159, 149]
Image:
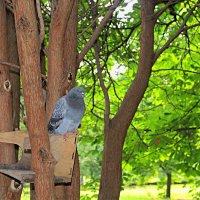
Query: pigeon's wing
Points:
[57, 115]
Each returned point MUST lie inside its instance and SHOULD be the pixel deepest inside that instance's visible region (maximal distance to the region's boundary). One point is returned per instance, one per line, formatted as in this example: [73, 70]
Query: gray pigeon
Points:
[68, 112]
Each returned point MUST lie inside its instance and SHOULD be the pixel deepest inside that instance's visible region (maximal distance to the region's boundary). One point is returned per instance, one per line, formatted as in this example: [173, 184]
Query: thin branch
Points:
[161, 11]
[166, 1]
[126, 39]
[41, 22]
[90, 25]
[105, 91]
[173, 37]
[97, 31]
[183, 70]
[99, 71]
[138, 134]
[10, 64]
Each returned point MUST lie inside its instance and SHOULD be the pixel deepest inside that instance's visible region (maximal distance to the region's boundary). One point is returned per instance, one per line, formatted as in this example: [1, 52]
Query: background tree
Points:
[168, 26]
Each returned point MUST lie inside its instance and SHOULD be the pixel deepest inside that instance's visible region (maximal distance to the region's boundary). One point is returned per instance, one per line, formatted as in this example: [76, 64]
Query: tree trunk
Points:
[111, 174]
[57, 71]
[115, 131]
[6, 123]
[15, 79]
[43, 163]
[169, 182]
[14, 72]
[70, 55]
[62, 55]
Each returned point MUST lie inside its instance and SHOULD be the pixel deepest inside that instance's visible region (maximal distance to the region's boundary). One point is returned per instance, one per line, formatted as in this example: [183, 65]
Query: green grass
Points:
[151, 193]
[25, 192]
[179, 192]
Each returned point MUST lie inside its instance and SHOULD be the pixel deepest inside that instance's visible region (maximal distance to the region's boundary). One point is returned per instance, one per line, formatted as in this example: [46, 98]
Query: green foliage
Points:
[164, 135]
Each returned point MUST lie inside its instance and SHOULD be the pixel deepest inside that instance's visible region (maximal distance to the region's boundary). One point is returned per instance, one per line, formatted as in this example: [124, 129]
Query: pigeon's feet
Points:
[65, 136]
[76, 132]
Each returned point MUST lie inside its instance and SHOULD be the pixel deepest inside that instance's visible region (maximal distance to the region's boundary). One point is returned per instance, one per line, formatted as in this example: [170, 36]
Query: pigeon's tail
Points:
[50, 128]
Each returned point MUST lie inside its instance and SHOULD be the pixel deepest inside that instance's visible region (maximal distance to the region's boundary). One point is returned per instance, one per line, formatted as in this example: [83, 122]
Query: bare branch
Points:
[167, 1]
[18, 67]
[99, 72]
[179, 31]
[138, 86]
[91, 24]
[41, 21]
[187, 71]
[105, 91]
[123, 42]
[97, 31]
[10, 64]
[161, 11]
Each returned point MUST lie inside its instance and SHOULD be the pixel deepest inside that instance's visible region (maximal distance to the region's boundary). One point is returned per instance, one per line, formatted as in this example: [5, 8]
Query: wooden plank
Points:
[13, 137]
[64, 153]
[21, 175]
[62, 150]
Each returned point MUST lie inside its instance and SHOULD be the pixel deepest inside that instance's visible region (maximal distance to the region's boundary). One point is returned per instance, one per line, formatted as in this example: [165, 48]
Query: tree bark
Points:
[6, 123]
[117, 128]
[14, 72]
[43, 163]
[57, 70]
[169, 182]
[65, 75]
[111, 173]
[70, 57]
[15, 80]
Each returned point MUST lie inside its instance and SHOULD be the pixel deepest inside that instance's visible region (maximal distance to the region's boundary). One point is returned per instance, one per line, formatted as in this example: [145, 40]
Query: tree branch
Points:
[173, 37]
[99, 72]
[183, 70]
[10, 64]
[97, 31]
[138, 87]
[56, 70]
[166, 1]
[41, 22]
[161, 11]
[29, 56]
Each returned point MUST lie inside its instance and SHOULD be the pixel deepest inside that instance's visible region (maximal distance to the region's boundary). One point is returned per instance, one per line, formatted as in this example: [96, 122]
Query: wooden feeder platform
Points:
[62, 150]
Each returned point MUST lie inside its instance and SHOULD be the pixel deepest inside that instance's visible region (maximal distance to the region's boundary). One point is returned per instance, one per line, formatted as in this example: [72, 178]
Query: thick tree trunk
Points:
[70, 57]
[29, 53]
[116, 131]
[62, 55]
[169, 182]
[14, 72]
[15, 79]
[111, 166]
[7, 154]
[57, 71]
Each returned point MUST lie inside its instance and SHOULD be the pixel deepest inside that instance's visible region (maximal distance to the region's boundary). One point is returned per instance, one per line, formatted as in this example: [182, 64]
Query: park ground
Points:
[150, 192]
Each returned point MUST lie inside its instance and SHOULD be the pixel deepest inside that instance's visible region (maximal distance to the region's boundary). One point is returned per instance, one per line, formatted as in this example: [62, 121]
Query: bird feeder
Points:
[62, 150]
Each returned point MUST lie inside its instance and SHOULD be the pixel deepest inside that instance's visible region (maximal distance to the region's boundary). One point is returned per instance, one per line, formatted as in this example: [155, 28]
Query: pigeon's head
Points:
[77, 93]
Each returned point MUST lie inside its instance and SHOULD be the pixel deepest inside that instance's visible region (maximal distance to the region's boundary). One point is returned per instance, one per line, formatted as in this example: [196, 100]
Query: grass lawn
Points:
[151, 193]
[137, 193]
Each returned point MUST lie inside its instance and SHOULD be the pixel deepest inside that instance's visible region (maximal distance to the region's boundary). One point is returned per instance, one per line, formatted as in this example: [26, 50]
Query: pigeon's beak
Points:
[82, 94]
